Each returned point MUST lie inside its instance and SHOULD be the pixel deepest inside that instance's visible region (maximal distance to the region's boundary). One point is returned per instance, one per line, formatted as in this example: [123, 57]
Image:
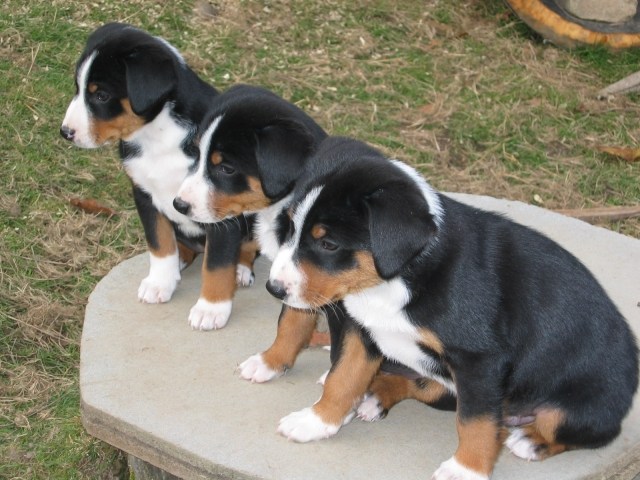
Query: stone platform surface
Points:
[172, 396]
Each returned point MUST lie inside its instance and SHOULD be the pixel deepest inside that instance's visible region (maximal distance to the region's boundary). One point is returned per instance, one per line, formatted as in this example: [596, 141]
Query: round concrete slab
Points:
[171, 396]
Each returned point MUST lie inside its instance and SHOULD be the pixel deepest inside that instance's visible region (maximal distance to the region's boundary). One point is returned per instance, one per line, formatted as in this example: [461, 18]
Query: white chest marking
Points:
[162, 166]
[380, 310]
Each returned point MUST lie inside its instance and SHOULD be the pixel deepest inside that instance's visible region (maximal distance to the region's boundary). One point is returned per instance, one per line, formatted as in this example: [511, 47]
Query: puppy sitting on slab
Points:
[488, 311]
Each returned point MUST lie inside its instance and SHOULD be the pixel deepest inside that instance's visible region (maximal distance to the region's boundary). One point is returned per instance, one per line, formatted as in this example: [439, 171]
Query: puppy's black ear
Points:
[151, 77]
[281, 152]
[400, 226]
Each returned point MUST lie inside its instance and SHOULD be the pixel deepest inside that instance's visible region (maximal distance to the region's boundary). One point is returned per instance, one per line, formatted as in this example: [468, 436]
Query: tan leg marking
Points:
[295, 328]
[347, 381]
[165, 237]
[479, 443]
[248, 253]
[218, 285]
[542, 432]
[392, 389]
[187, 256]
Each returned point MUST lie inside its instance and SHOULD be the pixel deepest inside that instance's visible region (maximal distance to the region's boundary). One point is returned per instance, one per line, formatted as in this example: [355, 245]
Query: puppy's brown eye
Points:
[102, 96]
[227, 169]
[328, 245]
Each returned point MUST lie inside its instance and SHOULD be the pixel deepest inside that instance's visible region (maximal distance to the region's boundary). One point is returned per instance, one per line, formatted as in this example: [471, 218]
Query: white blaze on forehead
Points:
[77, 117]
[83, 71]
[284, 269]
[196, 189]
[205, 142]
[301, 213]
[429, 193]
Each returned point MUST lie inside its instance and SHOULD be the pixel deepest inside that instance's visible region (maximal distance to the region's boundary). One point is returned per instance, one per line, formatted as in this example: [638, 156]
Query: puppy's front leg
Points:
[222, 249]
[295, 328]
[345, 385]
[478, 422]
[164, 260]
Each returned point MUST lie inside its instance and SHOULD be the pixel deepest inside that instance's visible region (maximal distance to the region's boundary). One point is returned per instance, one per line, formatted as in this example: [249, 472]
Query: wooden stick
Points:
[626, 85]
[90, 205]
[625, 153]
[602, 213]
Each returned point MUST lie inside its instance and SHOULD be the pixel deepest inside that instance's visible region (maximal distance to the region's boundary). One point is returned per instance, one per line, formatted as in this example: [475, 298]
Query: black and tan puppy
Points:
[137, 90]
[253, 147]
[492, 312]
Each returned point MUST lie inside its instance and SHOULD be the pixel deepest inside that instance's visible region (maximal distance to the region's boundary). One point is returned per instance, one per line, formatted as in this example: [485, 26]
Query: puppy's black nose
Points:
[67, 133]
[277, 289]
[181, 206]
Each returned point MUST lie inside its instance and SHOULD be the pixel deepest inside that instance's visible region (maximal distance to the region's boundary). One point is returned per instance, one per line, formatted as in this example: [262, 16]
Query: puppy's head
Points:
[123, 78]
[253, 146]
[357, 220]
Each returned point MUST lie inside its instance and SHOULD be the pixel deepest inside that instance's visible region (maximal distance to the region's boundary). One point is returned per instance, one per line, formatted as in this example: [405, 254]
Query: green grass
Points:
[460, 88]
[610, 66]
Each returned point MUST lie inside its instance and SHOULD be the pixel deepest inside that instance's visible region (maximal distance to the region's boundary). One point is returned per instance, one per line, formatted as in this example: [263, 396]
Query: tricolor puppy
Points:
[536, 354]
[253, 147]
[137, 90]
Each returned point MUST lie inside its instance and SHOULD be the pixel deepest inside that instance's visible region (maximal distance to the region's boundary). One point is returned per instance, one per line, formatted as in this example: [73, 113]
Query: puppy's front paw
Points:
[452, 470]
[370, 409]
[256, 370]
[305, 425]
[521, 445]
[157, 289]
[244, 276]
[205, 315]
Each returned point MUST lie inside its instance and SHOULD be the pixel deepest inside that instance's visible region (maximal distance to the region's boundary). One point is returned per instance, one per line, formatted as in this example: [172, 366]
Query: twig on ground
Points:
[602, 213]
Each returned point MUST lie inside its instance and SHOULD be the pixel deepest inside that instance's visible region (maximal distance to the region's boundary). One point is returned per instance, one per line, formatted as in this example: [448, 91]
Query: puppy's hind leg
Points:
[538, 440]
[386, 390]
[244, 270]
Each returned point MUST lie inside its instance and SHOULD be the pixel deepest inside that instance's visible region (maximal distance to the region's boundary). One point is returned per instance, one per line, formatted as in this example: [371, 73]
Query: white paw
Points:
[157, 290]
[452, 470]
[164, 275]
[205, 315]
[521, 446]
[244, 276]
[323, 378]
[305, 425]
[370, 409]
[255, 370]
